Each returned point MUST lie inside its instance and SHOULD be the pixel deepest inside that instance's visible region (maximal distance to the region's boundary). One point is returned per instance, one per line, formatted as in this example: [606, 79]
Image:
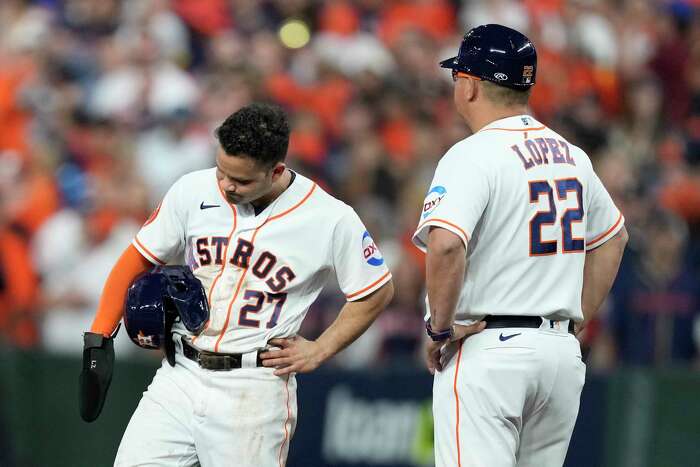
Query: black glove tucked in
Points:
[98, 363]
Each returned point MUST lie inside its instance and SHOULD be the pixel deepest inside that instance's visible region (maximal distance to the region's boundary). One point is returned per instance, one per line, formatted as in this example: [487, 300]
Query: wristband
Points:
[440, 335]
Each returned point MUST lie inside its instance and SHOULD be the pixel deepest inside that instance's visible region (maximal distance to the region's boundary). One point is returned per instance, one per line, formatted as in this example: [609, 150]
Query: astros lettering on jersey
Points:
[261, 272]
[528, 205]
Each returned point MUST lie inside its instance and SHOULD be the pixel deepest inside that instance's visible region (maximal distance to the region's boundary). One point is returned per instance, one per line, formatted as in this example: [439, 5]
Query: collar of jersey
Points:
[512, 123]
[287, 199]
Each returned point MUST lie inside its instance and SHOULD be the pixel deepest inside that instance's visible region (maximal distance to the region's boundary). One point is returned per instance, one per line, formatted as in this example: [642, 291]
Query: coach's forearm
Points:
[354, 319]
[446, 262]
[599, 273]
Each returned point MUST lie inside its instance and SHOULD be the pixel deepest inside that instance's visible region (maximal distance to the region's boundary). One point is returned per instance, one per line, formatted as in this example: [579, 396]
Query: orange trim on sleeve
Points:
[456, 391]
[286, 433]
[515, 129]
[148, 252]
[354, 294]
[153, 215]
[599, 237]
[111, 307]
[443, 221]
[242, 278]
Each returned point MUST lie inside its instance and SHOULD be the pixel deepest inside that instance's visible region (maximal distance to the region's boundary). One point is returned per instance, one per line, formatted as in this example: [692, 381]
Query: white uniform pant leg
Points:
[546, 433]
[477, 405]
[483, 397]
[159, 432]
[248, 420]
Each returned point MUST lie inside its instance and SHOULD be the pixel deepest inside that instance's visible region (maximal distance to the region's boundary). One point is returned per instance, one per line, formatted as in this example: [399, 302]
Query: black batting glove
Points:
[98, 363]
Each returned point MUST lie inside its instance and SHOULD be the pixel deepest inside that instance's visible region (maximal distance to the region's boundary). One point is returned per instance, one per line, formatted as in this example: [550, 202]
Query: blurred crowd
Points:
[105, 103]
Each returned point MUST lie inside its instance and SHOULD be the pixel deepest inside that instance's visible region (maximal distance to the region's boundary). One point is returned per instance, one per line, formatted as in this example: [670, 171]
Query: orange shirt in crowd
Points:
[434, 18]
[14, 119]
[327, 98]
[397, 137]
[40, 201]
[208, 18]
[339, 17]
[19, 290]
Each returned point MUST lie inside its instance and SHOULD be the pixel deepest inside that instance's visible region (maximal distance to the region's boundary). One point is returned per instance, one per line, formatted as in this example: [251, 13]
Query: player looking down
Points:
[263, 241]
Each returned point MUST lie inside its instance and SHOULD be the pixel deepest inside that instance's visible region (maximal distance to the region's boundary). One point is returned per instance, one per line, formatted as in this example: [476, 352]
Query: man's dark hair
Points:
[260, 131]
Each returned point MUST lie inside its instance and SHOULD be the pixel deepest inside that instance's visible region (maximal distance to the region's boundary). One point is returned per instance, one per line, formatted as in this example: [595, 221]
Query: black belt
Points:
[509, 321]
[214, 361]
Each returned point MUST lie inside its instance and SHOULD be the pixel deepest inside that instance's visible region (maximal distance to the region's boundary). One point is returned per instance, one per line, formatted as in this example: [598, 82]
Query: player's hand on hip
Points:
[438, 354]
[296, 355]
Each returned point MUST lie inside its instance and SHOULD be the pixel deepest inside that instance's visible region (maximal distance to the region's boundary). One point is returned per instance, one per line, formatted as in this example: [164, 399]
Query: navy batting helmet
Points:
[158, 298]
[498, 54]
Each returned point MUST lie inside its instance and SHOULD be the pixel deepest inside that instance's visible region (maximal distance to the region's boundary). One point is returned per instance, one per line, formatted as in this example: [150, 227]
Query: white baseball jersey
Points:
[529, 206]
[261, 272]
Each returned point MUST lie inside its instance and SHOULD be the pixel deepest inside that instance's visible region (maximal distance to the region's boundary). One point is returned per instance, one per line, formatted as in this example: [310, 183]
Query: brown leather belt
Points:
[214, 361]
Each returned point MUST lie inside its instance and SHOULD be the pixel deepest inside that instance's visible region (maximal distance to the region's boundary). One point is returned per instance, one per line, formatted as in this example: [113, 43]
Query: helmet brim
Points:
[449, 63]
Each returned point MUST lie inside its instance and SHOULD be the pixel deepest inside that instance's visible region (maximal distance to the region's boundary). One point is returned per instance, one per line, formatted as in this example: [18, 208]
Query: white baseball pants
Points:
[190, 416]
[512, 402]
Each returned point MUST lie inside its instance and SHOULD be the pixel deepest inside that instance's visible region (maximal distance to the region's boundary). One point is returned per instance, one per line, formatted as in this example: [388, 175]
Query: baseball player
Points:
[263, 240]
[523, 243]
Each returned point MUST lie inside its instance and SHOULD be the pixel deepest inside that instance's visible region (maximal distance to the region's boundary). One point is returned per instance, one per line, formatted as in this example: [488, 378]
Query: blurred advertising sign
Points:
[380, 431]
[362, 418]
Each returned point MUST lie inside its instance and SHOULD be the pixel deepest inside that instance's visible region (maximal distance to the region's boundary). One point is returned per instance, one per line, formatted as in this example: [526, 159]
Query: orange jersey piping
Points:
[515, 129]
[224, 261]
[284, 213]
[252, 240]
[444, 222]
[154, 214]
[354, 294]
[148, 252]
[599, 237]
[289, 415]
[456, 392]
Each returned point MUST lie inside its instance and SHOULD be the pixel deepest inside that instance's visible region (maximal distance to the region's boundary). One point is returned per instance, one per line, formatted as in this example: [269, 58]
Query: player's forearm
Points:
[354, 319]
[599, 273]
[445, 266]
[111, 306]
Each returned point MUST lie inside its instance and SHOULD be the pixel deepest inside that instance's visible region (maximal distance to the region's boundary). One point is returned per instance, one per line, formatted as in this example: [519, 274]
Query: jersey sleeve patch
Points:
[432, 200]
[371, 253]
[360, 268]
[458, 195]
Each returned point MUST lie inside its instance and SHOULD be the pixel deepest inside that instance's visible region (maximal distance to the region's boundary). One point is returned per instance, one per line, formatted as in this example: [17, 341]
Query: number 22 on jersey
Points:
[564, 188]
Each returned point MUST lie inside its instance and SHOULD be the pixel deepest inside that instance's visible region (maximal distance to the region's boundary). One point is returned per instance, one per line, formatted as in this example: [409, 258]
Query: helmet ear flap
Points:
[188, 297]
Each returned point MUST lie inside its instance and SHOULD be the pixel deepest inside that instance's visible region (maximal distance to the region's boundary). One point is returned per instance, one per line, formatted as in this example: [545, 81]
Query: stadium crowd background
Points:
[105, 103]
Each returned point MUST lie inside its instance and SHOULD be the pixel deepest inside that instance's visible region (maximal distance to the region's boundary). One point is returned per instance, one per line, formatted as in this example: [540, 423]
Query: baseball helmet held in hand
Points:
[498, 54]
[157, 299]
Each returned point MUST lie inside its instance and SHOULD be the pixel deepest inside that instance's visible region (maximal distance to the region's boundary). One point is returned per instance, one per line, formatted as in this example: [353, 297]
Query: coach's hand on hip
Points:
[436, 358]
[296, 355]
